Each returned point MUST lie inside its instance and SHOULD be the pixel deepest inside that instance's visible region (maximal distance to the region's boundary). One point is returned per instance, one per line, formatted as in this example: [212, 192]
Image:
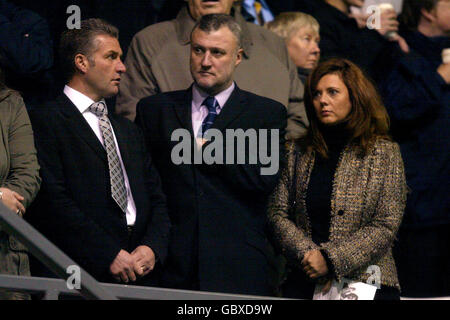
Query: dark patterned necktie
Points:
[118, 190]
[212, 104]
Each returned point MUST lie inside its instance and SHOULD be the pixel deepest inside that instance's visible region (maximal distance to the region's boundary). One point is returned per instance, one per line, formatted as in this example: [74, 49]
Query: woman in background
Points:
[341, 197]
[19, 179]
[301, 34]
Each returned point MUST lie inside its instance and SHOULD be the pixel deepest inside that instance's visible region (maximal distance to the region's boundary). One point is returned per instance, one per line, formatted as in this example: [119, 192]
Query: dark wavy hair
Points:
[368, 119]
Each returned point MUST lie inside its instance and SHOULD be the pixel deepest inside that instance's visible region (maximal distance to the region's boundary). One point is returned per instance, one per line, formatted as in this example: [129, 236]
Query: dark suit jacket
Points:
[75, 209]
[218, 212]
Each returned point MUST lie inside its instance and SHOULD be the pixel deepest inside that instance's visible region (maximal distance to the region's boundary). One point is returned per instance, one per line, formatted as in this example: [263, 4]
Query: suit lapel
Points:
[233, 108]
[79, 126]
[183, 110]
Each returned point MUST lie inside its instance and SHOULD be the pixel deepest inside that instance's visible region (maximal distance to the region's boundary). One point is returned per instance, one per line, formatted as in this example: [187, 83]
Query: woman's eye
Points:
[332, 91]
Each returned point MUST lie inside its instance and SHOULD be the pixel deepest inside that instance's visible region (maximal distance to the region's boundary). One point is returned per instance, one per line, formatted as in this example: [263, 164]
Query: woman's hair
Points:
[367, 120]
[412, 11]
[287, 23]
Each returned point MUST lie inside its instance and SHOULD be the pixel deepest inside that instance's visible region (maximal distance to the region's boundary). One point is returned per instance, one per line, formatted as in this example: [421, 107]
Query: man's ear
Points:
[428, 15]
[239, 55]
[81, 63]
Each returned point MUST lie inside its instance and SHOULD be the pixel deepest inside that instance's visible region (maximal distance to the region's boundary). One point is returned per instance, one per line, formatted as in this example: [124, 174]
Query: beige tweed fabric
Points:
[367, 205]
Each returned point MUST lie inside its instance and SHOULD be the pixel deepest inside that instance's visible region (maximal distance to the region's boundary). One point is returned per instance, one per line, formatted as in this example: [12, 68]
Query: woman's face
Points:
[303, 48]
[331, 100]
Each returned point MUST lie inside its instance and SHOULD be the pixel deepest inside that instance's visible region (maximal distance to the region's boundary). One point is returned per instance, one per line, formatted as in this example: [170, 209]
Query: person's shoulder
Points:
[386, 148]
[48, 111]
[160, 101]
[164, 97]
[155, 36]
[257, 101]
[265, 37]
[10, 97]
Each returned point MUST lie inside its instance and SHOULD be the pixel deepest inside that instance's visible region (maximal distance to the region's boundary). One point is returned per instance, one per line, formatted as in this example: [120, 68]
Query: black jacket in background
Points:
[26, 53]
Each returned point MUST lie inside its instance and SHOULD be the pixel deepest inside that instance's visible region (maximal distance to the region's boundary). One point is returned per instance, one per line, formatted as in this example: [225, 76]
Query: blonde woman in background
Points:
[301, 33]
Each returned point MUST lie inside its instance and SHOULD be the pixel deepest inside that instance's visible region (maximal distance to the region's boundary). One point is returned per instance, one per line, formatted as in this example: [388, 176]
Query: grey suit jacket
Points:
[158, 61]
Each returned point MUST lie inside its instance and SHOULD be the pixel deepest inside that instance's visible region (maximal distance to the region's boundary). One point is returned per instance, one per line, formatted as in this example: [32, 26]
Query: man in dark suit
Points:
[101, 200]
[218, 210]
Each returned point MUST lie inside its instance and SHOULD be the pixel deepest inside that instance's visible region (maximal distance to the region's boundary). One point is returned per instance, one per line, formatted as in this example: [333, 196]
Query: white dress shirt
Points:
[199, 111]
[83, 103]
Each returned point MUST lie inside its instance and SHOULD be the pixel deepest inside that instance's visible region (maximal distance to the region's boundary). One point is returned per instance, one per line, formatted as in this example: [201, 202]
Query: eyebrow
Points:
[195, 45]
[113, 52]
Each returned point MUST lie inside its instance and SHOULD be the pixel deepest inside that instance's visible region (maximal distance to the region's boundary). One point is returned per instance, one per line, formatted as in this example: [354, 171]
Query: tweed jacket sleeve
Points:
[386, 189]
[293, 241]
[20, 171]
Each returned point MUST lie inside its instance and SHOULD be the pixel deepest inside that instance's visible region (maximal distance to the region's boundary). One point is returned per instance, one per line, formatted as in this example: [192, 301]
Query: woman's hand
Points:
[12, 199]
[314, 264]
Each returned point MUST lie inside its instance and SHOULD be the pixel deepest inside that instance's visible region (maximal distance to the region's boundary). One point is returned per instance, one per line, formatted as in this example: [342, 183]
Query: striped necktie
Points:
[118, 190]
[212, 104]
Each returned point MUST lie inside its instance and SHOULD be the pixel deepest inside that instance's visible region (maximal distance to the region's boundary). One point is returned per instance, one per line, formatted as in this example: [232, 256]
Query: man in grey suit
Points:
[158, 61]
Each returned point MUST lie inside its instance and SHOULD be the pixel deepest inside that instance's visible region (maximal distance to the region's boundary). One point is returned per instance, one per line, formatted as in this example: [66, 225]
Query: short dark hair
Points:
[213, 22]
[411, 12]
[76, 41]
[368, 119]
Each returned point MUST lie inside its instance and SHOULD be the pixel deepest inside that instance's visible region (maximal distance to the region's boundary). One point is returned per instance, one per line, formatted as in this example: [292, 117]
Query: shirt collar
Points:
[80, 100]
[198, 96]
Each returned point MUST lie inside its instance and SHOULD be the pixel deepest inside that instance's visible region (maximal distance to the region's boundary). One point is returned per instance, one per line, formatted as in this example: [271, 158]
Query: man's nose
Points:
[121, 67]
[206, 59]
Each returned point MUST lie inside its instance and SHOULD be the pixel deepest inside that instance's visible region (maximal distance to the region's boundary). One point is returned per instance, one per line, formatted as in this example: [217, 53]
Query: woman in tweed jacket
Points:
[343, 210]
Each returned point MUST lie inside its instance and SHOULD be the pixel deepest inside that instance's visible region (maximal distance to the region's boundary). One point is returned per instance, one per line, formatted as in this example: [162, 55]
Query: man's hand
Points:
[444, 71]
[314, 264]
[122, 268]
[144, 260]
[12, 199]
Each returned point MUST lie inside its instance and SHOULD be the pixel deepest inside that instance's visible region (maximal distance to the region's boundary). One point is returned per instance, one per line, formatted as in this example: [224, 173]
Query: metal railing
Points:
[58, 262]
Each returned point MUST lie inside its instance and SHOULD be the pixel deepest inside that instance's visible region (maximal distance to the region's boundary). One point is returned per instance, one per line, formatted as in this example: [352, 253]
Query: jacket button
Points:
[341, 212]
